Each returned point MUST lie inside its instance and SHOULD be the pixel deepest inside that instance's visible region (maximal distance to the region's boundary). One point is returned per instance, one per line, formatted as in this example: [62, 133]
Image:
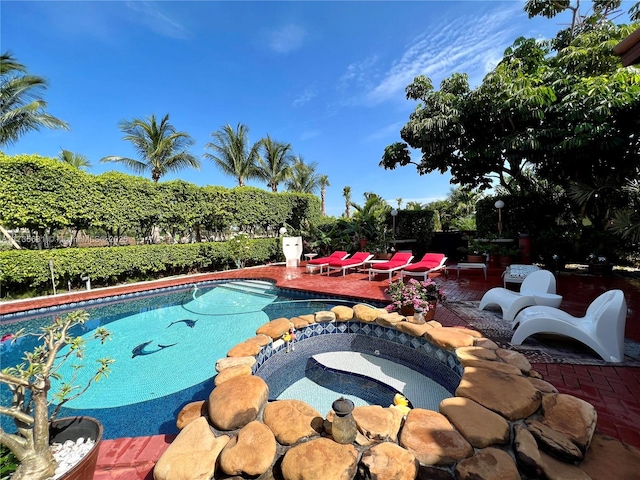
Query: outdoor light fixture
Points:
[283, 230]
[499, 205]
[394, 214]
[343, 427]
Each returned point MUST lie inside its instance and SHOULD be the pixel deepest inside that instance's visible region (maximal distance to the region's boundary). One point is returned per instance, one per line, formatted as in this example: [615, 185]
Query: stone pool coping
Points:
[504, 418]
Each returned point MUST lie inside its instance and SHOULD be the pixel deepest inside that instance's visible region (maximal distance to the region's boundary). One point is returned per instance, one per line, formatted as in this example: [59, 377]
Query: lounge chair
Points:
[357, 260]
[431, 262]
[322, 262]
[538, 288]
[395, 263]
[601, 329]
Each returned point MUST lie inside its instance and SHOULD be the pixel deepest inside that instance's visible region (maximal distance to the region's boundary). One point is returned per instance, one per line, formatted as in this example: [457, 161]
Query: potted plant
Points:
[506, 253]
[415, 295]
[30, 384]
[477, 250]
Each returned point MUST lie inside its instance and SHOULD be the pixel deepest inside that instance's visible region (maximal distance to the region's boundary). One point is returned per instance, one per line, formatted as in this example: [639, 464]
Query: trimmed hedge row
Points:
[24, 269]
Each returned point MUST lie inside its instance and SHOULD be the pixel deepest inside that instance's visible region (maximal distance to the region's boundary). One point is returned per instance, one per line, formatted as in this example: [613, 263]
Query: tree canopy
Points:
[22, 107]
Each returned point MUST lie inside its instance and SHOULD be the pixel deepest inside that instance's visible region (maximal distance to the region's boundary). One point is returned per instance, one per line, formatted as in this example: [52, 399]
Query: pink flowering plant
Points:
[416, 294]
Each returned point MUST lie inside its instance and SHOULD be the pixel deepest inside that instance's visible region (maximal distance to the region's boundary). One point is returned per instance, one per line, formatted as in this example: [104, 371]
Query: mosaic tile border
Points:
[416, 353]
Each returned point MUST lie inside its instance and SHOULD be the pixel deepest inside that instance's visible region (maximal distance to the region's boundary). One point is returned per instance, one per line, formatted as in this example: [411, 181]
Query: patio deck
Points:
[613, 391]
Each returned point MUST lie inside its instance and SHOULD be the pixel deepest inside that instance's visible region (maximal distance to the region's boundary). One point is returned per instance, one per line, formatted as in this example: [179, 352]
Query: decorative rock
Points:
[292, 420]
[388, 461]
[542, 386]
[449, 338]
[434, 324]
[488, 464]
[237, 401]
[231, 372]
[427, 472]
[415, 329]
[608, 458]
[227, 362]
[466, 331]
[192, 455]
[512, 396]
[389, 319]
[476, 353]
[526, 450]
[377, 423]
[320, 458]
[365, 313]
[343, 313]
[251, 452]
[486, 343]
[479, 426]
[190, 412]
[556, 443]
[535, 374]
[310, 318]
[299, 323]
[244, 349]
[571, 416]
[261, 340]
[432, 440]
[324, 316]
[275, 328]
[498, 366]
[554, 469]
[514, 358]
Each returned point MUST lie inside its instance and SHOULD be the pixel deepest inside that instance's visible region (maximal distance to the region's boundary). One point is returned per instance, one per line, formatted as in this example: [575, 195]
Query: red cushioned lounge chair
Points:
[357, 260]
[431, 262]
[397, 262]
[322, 262]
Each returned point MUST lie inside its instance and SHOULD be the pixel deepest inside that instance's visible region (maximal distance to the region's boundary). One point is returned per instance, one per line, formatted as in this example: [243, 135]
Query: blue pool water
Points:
[165, 346]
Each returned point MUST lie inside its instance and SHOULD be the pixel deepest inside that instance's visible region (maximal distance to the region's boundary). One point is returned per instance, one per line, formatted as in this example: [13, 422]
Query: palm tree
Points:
[346, 193]
[160, 147]
[274, 168]
[324, 183]
[76, 160]
[304, 178]
[21, 107]
[234, 156]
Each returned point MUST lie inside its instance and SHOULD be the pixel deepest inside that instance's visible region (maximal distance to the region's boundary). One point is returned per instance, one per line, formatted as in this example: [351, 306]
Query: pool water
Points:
[165, 348]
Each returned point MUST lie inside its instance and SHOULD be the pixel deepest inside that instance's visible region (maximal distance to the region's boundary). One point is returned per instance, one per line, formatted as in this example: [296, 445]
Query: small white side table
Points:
[309, 256]
[548, 299]
[470, 266]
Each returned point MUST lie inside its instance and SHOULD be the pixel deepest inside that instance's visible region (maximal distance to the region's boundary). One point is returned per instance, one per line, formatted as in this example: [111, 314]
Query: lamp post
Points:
[499, 205]
[283, 230]
[394, 214]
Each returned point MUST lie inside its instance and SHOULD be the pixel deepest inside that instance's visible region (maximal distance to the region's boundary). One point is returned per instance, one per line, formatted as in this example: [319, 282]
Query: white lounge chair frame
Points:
[425, 274]
[601, 329]
[344, 268]
[538, 282]
[375, 270]
[312, 266]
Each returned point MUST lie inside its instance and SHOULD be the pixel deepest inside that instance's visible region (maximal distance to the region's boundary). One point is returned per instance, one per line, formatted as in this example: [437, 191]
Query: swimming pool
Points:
[165, 344]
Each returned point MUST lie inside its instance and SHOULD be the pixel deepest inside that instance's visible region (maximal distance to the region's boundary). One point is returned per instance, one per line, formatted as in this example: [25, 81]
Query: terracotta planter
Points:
[407, 311]
[475, 258]
[431, 314]
[72, 428]
[504, 260]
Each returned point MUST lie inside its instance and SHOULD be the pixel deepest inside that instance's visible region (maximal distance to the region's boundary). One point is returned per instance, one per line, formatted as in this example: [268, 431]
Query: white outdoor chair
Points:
[538, 287]
[292, 249]
[601, 329]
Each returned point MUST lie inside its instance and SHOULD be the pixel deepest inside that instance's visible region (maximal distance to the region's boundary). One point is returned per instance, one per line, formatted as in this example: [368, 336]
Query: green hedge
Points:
[21, 270]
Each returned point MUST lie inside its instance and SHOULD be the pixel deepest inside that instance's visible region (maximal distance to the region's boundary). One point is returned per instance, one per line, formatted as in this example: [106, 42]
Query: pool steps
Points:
[251, 286]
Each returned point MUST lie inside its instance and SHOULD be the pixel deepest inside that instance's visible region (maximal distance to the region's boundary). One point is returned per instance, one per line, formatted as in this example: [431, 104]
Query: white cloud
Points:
[465, 44]
[309, 134]
[358, 72]
[385, 132]
[287, 39]
[152, 16]
[306, 96]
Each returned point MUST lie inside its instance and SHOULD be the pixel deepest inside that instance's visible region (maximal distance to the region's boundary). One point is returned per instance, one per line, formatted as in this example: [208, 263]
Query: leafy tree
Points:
[181, 214]
[324, 183]
[161, 148]
[233, 155]
[304, 178]
[22, 108]
[76, 160]
[274, 168]
[346, 193]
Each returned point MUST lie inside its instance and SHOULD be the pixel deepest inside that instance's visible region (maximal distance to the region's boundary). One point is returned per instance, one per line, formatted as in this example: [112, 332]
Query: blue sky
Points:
[327, 77]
